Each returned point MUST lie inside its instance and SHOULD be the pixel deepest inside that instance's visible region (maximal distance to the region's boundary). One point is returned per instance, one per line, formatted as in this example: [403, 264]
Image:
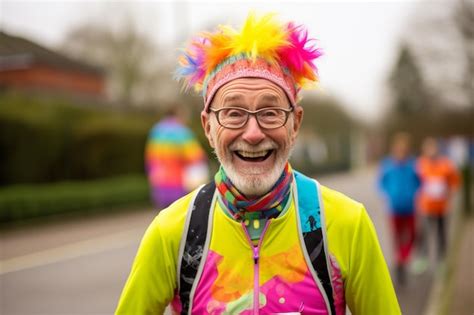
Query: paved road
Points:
[73, 267]
[79, 266]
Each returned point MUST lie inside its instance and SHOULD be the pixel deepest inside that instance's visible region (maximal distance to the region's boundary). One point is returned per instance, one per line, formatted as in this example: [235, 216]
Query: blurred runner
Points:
[174, 160]
[439, 180]
[399, 183]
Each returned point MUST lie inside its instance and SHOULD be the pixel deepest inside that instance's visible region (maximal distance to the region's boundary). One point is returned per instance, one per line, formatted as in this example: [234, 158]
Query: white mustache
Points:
[243, 146]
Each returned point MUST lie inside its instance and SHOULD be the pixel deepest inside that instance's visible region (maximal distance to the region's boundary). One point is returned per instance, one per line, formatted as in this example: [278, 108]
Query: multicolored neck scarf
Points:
[268, 206]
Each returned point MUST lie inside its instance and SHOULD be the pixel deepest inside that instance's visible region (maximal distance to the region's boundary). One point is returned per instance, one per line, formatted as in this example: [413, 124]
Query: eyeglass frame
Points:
[252, 113]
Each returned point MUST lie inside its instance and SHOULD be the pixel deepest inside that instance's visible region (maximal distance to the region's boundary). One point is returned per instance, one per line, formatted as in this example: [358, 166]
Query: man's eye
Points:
[269, 113]
[234, 113]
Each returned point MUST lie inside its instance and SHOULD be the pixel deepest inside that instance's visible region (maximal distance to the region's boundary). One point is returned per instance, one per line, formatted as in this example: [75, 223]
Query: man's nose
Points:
[253, 134]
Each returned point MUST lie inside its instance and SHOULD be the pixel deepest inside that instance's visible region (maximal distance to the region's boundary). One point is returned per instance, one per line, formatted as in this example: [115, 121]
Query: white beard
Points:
[253, 182]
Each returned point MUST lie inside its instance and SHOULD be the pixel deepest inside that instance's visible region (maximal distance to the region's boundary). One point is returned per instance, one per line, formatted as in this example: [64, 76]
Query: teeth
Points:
[249, 154]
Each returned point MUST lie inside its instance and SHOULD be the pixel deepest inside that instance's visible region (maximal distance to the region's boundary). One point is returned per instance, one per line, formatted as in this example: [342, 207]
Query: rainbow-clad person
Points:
[174, 160]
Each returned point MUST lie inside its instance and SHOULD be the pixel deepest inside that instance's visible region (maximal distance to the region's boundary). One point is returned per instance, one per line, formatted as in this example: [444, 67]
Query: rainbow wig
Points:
[262, 48]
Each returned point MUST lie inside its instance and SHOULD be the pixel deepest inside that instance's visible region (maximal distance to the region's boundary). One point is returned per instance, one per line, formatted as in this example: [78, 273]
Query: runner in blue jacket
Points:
[399, 182]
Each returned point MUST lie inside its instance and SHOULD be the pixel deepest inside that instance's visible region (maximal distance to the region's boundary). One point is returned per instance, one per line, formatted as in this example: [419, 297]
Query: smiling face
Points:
[252, 157]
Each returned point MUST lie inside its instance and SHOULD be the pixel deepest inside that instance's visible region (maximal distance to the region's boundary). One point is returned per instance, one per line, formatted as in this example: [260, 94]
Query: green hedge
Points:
[46, 140]
[21, 202]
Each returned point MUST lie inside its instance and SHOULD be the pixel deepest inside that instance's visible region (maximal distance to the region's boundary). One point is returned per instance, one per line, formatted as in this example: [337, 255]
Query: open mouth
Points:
[254, 156]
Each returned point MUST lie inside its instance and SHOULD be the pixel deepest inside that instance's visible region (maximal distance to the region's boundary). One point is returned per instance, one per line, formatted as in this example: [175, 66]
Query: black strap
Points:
[315, 246]
[195, 241]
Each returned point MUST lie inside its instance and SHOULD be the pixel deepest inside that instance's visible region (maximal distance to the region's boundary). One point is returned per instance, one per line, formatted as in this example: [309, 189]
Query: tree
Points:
[129, 57]
[406, 82]
[464, 16]
[431, 82]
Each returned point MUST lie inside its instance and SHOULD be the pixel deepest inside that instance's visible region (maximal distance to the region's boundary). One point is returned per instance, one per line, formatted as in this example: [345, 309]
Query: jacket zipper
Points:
[256, 259]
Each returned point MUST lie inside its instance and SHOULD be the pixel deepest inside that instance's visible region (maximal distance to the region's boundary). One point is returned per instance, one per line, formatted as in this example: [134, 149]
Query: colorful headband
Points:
[263, 48]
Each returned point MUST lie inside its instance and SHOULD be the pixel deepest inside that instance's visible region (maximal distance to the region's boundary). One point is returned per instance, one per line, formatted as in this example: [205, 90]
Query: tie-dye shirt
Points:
[359, 273]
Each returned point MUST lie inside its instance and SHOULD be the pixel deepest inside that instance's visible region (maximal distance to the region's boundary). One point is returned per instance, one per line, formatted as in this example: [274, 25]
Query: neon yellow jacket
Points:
[360, 275]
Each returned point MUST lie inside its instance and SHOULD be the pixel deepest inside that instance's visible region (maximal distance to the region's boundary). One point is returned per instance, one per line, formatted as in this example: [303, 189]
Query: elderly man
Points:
[261, 238]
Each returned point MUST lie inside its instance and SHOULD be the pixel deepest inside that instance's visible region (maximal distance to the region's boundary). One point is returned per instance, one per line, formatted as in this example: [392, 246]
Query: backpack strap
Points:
[195, 235]
[311, 226]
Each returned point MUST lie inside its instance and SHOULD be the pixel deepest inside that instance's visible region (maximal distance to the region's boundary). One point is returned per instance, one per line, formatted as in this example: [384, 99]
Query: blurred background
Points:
[83, 82]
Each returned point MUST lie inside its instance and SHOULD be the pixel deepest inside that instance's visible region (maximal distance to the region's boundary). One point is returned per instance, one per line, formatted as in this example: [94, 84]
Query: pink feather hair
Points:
[294, 51]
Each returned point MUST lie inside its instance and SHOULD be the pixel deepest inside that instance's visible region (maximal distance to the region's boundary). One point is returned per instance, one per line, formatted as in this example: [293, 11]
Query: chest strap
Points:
[194, 246]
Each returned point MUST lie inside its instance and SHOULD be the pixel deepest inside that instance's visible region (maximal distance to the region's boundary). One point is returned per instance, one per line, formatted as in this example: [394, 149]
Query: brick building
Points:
[28, 66]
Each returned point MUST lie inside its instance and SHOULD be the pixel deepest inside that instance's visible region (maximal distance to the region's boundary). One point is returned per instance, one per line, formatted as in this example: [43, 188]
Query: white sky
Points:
[359, 38]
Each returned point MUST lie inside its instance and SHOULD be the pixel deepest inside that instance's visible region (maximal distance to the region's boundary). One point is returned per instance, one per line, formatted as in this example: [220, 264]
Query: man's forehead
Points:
[241, 88]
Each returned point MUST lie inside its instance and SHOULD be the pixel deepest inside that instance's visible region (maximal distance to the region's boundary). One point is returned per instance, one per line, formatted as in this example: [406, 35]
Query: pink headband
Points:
[245, 68]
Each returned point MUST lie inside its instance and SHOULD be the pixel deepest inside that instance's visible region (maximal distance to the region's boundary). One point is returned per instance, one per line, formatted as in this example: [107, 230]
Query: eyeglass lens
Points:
[266, 118]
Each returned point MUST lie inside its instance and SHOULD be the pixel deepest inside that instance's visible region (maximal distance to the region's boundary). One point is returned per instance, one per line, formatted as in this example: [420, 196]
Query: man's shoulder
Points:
[334, 200]
[340, 207]
[386, 161]
[173, 218]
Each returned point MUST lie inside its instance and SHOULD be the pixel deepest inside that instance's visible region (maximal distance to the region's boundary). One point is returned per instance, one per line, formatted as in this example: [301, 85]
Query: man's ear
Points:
[206, 125]
[297, 120]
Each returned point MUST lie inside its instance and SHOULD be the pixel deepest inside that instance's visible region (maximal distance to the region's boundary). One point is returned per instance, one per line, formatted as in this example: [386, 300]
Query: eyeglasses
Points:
[237, 117]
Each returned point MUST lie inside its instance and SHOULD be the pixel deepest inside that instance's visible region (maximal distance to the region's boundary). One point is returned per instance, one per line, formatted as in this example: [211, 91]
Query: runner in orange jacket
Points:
[439, 179]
